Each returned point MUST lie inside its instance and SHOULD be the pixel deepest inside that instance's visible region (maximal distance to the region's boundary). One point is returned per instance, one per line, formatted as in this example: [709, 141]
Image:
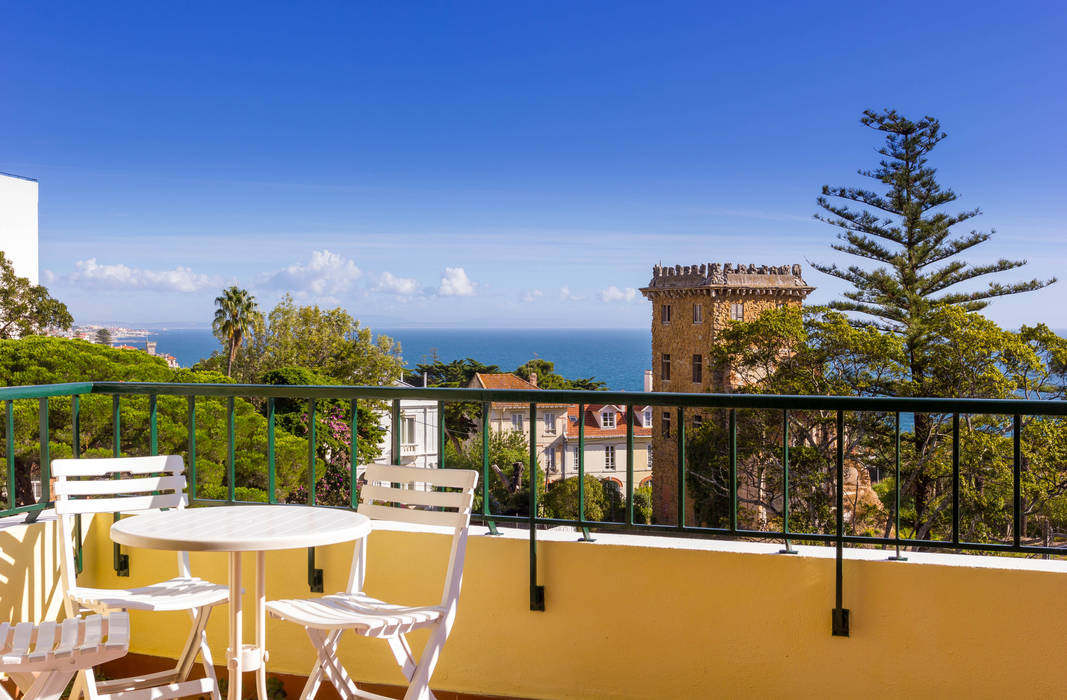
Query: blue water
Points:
[617, 357]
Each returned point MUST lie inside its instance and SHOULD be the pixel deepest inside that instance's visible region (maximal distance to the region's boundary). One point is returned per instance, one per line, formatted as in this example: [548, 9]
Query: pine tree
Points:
[913, 241]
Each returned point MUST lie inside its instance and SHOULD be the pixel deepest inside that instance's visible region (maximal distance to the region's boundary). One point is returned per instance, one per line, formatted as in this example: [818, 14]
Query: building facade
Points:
[418, 434]
[604, 442]
[18, 224]
[690, 305]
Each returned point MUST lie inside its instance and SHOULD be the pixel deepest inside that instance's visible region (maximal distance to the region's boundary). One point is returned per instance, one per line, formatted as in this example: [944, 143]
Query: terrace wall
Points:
[643, 617]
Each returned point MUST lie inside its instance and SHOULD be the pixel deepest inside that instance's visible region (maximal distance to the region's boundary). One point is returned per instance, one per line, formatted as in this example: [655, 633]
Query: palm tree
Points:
[235, 314]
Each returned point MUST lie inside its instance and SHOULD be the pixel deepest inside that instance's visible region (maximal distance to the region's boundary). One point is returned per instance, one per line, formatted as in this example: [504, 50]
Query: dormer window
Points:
[607, 419]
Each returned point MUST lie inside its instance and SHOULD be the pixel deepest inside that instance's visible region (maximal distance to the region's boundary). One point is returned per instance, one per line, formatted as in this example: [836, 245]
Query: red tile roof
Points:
[507, 380]
[593, 429]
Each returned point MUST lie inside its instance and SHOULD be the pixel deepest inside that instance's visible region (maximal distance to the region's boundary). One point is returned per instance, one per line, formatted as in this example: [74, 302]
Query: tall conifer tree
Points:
[913, 242]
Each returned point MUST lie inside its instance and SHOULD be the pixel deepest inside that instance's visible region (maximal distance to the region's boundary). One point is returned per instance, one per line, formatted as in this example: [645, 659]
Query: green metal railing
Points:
[533, 520]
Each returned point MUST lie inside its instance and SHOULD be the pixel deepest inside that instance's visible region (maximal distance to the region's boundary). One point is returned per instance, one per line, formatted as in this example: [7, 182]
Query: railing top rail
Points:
[44, 391]
[707, 400]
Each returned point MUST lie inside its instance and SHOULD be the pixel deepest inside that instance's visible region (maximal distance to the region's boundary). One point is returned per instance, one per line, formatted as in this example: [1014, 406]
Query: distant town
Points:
[114, 336]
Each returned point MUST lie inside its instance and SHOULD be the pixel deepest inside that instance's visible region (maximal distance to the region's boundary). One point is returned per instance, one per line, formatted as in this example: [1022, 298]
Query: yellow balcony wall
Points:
[642, 617]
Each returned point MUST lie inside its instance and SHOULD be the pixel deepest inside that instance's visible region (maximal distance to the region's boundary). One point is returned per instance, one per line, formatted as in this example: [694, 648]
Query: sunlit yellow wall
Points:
[647, 622]
[29, 570]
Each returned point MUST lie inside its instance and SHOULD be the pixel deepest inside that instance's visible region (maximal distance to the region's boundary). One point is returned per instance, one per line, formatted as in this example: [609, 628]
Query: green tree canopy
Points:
[236, 315]
[27, 308]
[548, 379]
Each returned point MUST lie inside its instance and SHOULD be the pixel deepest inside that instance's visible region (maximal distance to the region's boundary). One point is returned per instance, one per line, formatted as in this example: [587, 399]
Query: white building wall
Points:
[18, 224]
[420, 450]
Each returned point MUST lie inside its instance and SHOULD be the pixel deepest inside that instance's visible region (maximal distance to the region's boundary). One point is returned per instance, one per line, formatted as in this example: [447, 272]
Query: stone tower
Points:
[690, 303]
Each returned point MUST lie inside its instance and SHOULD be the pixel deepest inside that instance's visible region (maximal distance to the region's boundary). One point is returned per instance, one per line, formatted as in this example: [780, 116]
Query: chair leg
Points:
[315, 676]
[192, 646]
[326, 647]
[49, 686]
[402, 652]
[208, 663]
[420, 680]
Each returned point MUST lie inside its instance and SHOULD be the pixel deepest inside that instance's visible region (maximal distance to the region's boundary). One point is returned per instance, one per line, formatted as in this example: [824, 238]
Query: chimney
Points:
[533, 378]
[648, 380]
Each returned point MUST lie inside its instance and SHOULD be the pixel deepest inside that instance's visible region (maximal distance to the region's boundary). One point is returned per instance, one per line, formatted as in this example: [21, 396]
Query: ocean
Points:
[617, 357]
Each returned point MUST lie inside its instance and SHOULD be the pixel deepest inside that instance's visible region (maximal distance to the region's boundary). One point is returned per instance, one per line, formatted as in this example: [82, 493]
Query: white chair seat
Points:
[42, 659]
[356, 611]
[176, 594]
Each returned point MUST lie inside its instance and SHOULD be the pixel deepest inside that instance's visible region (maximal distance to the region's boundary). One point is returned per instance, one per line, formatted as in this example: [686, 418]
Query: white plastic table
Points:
[237, 529]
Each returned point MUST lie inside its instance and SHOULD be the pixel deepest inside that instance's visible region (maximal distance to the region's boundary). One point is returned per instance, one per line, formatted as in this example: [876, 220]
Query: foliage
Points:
[27, 308]
[40, 360]
[461, 417]
[330, 342]
[548, 379]
[103, 336]
[509, 470]
[236, 316]
[561, 499]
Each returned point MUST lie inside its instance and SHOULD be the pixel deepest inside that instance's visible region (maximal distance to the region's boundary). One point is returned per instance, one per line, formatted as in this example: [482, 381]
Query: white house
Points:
[418, 434]
[18, 224]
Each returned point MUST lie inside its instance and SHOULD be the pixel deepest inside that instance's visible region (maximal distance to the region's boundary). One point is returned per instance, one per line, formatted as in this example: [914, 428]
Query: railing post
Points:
[120, 561]
[537, 592]
[394, 432]
[840, 622]
[191, 421]
[896, 478]
[11, 500]
[46, 465]
[231, 458]
[271, 456]
[153, 424]
[353, 462]
[315, 577]
[581, 473]
[785, 484]
[629, 465]
[1016, 470]
[76, 453]
[955, 478]
[733, 469]
[681, 468]
[485, 470]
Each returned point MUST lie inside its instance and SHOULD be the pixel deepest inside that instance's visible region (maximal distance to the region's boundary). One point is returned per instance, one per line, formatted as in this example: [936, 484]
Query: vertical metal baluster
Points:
[46, 465]
[1016, 469]
[581, 472]
[485, 469]
[681, 468]
[231, 459]
[629, 465]
[153, 424]
[11, 501]
[191, 421]
[733, 469]
[394, 433]
[896, 500]
[76, 453]
[840, 622]
[120, 561]
[537, 593]
[353, 462]
[785, 484]
[955, 478]
[440, 434]
[311, 453]
[272, 476]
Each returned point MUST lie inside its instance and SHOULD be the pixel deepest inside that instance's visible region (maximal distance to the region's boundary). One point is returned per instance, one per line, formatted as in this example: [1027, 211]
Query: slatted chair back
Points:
[114, 485]
[422, 496]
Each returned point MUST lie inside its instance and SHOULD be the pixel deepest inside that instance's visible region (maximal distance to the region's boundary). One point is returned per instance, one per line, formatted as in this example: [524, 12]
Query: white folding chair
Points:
[42, 659]
[327, 617]
[135, 485]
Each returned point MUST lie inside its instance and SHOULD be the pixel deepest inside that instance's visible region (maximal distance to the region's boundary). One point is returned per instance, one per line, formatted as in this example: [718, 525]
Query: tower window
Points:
[666, 424]
[698, 369]
[737, 311]
[665, 313]
[665, 368]
[698, 313]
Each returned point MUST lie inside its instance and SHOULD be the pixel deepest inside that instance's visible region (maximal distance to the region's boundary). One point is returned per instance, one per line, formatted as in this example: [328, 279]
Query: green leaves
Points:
[25, 308]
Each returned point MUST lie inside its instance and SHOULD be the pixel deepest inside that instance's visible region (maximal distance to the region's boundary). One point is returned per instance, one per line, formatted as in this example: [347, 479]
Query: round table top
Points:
[241, 528]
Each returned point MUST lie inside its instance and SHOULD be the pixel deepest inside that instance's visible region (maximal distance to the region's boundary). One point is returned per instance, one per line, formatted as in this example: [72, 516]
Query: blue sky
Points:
[504, 164]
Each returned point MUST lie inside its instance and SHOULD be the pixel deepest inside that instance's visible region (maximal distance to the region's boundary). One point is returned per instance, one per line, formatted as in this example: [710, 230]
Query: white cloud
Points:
[119, 276]
[325, 274]
[391, 284]
[532, 295]
[455, 283]
[613, 294]
[566, 295]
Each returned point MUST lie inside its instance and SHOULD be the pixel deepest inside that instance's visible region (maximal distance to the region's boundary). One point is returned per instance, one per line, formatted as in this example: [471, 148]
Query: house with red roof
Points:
[602, 428]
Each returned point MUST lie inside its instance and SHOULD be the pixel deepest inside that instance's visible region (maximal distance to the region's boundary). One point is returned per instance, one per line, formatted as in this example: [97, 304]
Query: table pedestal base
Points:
[248, 657]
